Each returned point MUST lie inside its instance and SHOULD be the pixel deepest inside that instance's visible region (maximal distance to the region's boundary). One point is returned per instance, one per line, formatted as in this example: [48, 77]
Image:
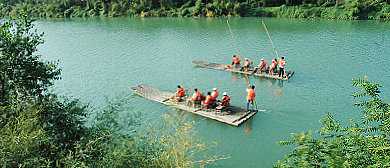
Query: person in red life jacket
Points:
[208, 99]
[271, 67]
[276, 66]
[195, 98]
[236, 61]
[250, 96]
[180, 91]
[261, 66]
[225, 100]
[281, 67]
[246, 64]
[214, 94]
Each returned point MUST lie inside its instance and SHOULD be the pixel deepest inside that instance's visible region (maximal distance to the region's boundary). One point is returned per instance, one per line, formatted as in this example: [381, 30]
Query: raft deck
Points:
[237, 70]
[234, 116]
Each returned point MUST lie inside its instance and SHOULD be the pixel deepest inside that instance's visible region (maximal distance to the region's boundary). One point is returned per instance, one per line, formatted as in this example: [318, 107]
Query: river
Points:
[101, 57]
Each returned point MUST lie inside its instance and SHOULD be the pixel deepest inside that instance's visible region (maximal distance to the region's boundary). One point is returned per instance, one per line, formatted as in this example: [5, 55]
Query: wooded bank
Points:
[339, 9]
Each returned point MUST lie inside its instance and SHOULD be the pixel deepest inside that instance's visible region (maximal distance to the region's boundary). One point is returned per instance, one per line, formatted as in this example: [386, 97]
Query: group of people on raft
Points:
[198, 98]
[272, 69]
[210, 101]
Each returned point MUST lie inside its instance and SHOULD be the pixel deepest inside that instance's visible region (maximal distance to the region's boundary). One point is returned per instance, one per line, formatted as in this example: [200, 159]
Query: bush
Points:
[185, 12]
[361, 144]
[242, 9]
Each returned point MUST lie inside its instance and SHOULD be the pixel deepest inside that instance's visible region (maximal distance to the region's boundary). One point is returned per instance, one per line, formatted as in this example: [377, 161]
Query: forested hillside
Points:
[333, 9]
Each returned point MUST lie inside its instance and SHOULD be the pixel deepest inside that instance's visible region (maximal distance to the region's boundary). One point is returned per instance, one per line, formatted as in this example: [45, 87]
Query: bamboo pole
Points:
[275, 50]
[239, 54]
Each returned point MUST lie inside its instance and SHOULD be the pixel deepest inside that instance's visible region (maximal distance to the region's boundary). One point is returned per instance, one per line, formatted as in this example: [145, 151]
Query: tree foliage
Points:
[20, 69]
[339, 9]
[176, 144]
[37, 127]
[361, 144]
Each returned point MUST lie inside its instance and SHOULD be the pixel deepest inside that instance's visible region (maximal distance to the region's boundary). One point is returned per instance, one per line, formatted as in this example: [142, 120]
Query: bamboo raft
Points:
[233, 116]
[237, 70]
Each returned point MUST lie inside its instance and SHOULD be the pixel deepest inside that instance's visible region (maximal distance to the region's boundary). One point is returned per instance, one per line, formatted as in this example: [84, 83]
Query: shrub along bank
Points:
[338, 9]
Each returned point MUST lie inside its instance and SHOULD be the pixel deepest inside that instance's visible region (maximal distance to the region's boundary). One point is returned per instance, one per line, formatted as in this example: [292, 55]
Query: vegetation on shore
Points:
[332, 9]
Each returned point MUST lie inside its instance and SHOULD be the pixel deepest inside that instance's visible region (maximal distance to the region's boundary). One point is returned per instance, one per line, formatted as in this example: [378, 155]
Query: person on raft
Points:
[276, 66]
[224, 101]
[261, 66]
[214, 94]
[208, 101]
[180, 91]
[272, 67]
[195, 99]
[236, 61]
[282, 63]
[250, 96]
[179, 94]
[246, 65]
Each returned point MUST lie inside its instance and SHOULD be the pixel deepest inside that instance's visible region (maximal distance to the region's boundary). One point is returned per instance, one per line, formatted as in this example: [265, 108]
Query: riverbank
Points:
[347, 10]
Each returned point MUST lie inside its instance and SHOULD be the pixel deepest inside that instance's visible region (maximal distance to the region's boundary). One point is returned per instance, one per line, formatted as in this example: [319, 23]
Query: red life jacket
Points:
[264, 63]
[214, 95]
[208, 100]
[180, 92]
[251, 94]
[226, 99]
[282, 63]
[197, 95]
[236, 60]
[247, 63]
[272, 65]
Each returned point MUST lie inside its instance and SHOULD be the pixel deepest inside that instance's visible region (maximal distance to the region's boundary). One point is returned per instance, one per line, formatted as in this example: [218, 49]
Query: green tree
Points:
[19, 67]
[361, 144]
[22, 136]
[175, 143]
[45, 127]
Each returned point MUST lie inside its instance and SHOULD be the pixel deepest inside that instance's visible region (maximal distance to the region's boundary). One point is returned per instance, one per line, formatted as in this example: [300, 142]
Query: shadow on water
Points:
[135, 95]
[197, 66]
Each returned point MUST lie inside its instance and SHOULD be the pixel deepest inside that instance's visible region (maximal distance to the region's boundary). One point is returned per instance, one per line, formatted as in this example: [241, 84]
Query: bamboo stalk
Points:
[275, 50]
[239, 54]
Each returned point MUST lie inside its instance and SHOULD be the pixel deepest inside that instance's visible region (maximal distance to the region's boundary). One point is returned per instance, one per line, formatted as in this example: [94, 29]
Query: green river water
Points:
[101, 57]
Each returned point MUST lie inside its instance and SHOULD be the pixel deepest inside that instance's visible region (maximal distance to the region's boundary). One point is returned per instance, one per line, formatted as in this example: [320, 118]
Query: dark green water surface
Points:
[102, 57]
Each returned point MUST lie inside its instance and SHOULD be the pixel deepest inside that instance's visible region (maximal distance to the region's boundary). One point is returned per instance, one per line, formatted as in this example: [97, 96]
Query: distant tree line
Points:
[334, 9]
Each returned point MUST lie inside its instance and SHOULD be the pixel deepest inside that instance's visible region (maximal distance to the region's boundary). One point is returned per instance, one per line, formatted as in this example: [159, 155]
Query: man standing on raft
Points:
[250, 96]
[281, 67]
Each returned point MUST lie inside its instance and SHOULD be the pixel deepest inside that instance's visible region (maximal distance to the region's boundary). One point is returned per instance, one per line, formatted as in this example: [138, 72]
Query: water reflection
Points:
[280, 84]
[278, 93]
[248, 127]
[260, 79]
[234, 77]
[271, 82]
[271, 85]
